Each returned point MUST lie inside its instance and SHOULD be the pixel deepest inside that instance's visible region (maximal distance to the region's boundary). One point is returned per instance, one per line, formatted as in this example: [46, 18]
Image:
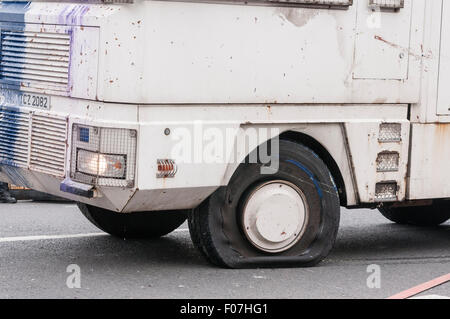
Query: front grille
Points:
[48, 144]
[33, 141]
[35, 59]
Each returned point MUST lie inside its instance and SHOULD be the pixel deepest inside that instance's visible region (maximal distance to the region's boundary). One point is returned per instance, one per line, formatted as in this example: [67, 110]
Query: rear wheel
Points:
[134, 225]
[432, 215]
[288, 218]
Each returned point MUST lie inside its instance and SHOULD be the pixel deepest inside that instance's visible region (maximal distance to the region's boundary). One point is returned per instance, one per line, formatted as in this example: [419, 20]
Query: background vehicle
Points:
[22, 193]
[143, 112]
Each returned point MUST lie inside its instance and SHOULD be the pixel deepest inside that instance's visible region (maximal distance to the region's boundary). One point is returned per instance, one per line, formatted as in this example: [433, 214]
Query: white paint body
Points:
[195, 67]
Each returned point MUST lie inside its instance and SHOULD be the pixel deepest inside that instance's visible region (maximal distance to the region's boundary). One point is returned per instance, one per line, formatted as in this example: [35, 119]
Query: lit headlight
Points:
[112, 166]
[103, 156]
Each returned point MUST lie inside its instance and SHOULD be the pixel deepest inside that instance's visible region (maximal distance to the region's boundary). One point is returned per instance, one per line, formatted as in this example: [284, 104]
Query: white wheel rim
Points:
[274, 216]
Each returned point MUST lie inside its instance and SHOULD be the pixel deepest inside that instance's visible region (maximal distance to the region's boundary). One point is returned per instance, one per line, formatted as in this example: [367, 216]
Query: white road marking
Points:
[431, 297]
[49, 237]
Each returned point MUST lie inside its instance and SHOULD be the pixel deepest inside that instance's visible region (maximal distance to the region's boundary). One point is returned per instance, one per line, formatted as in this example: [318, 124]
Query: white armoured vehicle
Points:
[257, 120]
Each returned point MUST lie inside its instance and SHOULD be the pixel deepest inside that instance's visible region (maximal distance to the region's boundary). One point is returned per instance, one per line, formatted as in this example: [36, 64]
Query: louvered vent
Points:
[35, 59]
[48, 144]
[14, 127]
[40, 146]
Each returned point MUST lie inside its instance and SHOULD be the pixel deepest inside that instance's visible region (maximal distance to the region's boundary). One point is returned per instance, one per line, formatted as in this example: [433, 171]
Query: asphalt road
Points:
[38, 241]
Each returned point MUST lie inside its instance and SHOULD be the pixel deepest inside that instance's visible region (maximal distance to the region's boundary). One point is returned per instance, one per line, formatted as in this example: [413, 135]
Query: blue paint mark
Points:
[15, 176]
[71, 187]
[10, 98]
[75, 15]
[9, 131]
[13, 13]
[310, 174]
[12, 17]
[72, 15]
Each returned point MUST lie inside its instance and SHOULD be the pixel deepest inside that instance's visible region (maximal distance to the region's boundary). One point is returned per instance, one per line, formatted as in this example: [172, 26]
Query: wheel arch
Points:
[324, 155]
[324, 139]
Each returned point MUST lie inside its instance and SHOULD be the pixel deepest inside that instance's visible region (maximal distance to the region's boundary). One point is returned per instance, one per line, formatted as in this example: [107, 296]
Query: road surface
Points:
[41, 242]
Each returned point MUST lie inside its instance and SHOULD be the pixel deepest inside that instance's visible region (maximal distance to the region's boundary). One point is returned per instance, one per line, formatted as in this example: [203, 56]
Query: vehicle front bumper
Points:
[36, 146]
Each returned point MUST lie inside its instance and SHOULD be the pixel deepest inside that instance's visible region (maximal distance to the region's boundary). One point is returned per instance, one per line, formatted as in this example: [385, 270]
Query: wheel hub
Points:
[274, 216]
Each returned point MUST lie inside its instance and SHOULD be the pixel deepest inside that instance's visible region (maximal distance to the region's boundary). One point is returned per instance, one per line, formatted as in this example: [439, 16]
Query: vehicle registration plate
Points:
[35, 100]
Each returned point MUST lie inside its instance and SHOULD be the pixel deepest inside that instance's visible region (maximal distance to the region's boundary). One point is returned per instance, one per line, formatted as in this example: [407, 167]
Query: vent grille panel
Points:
[14, 127]
[35, 59]
[48, 144]
[33, 141]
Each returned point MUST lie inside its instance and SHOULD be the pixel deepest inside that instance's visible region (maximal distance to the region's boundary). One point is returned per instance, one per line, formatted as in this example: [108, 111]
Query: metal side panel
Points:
[443, 107]
[383, 43]
[430, 158]
[366, 147]
[202, 53]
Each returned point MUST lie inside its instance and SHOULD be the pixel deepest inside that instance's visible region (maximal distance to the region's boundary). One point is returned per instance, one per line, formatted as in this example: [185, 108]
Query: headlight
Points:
[103, 156]
[109, 166]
